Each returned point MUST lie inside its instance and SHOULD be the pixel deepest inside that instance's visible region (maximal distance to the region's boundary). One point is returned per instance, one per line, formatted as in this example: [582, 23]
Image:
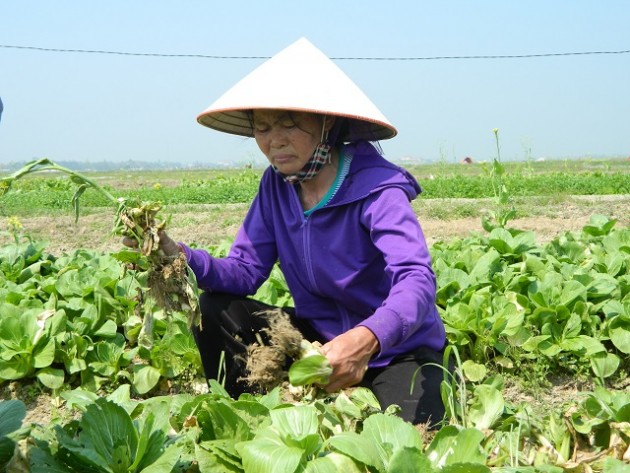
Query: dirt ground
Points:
[210, 225]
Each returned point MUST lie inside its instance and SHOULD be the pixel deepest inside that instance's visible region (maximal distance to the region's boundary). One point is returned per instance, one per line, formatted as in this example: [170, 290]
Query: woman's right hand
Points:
[349, 354]
[168, 246]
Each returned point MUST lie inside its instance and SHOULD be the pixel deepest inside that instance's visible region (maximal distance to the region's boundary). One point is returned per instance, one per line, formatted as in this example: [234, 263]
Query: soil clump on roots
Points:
[167, 280]
[268, 359]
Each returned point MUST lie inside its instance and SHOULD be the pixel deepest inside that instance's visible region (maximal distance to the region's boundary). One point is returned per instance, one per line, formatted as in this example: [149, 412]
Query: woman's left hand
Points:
[348, 355]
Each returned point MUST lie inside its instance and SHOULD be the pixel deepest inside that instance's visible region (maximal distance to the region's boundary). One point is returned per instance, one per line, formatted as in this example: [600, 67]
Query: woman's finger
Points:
[129, 242]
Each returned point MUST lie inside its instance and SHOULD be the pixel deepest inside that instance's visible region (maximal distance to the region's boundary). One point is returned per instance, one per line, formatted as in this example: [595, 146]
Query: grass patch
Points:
[459, 190]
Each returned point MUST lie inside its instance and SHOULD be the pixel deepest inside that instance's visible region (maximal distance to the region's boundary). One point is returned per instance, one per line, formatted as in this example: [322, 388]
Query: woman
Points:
[337, 217]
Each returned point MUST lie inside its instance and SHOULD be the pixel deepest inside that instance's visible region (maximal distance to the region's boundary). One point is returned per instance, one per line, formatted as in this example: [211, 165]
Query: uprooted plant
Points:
[170, 281]
[280, 346]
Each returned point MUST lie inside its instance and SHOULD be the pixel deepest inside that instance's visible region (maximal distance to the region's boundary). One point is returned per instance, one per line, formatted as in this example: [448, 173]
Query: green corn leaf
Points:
[76, 200]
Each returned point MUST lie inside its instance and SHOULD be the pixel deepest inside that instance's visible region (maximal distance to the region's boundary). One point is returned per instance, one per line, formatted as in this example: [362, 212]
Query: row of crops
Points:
[514, 310]
[239, 186]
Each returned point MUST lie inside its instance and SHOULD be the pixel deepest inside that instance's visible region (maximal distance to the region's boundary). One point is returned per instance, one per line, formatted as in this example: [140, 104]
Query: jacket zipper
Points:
[306, 246]
[308, 263]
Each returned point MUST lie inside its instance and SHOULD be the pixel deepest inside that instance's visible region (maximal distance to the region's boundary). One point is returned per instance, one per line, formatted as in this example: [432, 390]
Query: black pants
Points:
[228, 326]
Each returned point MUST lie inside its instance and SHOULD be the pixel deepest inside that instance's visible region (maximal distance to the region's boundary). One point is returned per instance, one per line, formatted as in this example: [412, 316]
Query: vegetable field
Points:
[538, 322]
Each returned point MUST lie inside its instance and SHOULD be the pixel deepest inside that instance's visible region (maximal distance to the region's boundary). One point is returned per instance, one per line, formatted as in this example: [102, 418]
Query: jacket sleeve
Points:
[249, 262]
[395, 231]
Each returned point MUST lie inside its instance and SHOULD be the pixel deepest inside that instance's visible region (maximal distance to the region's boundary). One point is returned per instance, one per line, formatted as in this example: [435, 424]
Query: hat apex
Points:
[298, 78]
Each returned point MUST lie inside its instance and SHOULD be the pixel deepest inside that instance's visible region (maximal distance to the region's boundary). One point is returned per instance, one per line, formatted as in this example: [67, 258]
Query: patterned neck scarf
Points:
[321, 156]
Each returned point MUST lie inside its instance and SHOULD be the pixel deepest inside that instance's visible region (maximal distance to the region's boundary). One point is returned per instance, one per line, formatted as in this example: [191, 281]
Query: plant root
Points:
[268, 360]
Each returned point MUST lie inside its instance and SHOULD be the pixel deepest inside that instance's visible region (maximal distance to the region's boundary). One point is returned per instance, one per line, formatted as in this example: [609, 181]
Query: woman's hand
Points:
[349, 354]
[168, 246]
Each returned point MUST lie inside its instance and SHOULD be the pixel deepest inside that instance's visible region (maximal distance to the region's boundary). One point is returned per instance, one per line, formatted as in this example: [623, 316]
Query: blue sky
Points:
[96, 107]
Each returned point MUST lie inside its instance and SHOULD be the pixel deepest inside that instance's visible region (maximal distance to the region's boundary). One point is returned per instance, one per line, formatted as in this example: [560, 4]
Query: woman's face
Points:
[288, 139]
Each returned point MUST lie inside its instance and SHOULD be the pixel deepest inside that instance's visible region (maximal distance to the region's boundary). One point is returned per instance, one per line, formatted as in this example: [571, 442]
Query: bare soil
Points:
[209, 225]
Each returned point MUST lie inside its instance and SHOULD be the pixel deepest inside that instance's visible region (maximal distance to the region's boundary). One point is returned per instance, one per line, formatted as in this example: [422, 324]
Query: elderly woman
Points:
[337, 217]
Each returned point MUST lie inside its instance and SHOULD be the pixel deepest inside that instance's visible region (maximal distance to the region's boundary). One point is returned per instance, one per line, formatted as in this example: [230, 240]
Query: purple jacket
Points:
[360, 260]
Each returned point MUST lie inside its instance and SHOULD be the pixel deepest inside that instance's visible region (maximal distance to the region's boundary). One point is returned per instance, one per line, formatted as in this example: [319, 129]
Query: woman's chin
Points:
[286, 169]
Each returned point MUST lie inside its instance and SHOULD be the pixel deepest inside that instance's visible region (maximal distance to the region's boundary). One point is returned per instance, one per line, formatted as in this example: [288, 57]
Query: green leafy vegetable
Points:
[311, 368]
[11, 415]
[106, 439]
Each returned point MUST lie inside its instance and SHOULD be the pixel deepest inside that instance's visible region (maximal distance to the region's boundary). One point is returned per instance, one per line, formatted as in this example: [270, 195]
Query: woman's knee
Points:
[211, 303]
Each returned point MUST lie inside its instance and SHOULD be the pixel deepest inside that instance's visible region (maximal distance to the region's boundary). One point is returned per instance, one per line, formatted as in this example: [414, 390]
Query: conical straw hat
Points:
[298, 78]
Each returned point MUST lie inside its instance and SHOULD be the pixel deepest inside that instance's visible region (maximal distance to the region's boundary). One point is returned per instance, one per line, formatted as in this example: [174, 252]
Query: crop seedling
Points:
[171, 282]
[501, 215]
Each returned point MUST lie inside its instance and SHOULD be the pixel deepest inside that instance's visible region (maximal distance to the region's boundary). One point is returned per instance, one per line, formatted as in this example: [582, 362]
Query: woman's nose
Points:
[277, 137]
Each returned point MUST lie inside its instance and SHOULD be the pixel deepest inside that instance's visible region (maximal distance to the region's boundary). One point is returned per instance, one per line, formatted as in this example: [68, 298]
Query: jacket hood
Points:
[370, 172]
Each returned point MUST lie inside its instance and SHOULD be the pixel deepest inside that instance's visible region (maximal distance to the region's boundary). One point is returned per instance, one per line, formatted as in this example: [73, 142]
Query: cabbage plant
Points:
[312, 367]
[12, 414]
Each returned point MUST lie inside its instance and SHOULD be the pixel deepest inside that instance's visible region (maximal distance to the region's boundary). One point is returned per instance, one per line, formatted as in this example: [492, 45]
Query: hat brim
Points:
[239, 122]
